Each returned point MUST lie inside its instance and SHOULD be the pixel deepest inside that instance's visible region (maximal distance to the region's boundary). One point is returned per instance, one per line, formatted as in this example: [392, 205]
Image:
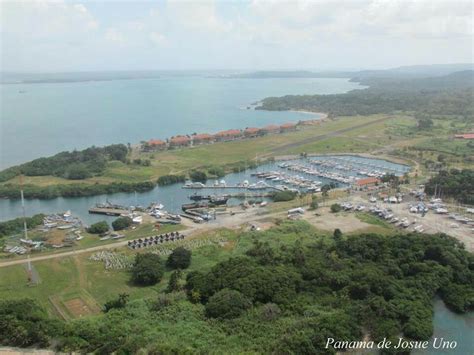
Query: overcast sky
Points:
[109, 35]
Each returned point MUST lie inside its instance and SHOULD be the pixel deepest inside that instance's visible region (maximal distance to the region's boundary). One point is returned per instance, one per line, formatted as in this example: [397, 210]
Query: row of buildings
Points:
[223, 136]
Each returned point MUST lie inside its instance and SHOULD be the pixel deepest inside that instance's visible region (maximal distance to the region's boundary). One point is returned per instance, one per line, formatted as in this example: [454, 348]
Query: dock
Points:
[228, 187]
[108, 211]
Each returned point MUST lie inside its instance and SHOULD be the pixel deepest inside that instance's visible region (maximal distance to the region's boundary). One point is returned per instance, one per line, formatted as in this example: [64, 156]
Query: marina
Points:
[238, 187]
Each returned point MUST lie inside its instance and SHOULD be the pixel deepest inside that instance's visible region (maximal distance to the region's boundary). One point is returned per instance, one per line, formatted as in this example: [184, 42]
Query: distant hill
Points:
[403, 72]
[441, 95]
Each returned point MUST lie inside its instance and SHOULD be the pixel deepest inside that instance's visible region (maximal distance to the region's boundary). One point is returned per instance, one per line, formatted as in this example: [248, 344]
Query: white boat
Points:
[66, 226]
[296, 210]
[263, 203]
[67, 214]
[137, 219]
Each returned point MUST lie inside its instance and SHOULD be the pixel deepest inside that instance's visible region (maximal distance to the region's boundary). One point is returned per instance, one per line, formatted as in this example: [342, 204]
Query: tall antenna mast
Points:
[25, 228]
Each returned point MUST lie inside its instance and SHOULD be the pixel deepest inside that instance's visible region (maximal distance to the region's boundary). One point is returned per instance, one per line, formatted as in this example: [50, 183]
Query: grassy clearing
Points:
[180, 161]
[374, 220]
[63, 279]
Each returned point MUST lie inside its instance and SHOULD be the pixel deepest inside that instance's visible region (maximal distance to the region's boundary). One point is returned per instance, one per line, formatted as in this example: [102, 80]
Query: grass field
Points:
[76, 285]
[225, 154]
[387, 136]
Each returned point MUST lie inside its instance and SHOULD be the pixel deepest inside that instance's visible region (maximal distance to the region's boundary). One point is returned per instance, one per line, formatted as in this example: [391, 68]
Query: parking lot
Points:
[430, 222]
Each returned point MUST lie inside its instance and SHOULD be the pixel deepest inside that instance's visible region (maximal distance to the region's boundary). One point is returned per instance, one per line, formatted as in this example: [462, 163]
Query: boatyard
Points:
[229, 200]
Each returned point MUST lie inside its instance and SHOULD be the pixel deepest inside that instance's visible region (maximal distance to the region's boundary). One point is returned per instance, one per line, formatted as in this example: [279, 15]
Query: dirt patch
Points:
[77, 307]
[55, 236]
[229, 245]
[329, 221]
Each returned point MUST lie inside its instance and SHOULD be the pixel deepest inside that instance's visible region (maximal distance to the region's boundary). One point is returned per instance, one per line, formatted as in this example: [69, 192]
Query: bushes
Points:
[314, 204]
[217, 171]
[458, 184]
[283, 196]
[198, 176]
[227, 304]
[335, 207]
[121, 223]
[98, 228]
[170, 179]
[24, 323]
[119, 302]
[72, 190]
[16, 225]
[70, 165]
[147, 269]
[180, 258]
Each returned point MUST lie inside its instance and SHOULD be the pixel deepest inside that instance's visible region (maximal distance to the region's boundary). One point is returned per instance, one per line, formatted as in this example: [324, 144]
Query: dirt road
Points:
[224, 221]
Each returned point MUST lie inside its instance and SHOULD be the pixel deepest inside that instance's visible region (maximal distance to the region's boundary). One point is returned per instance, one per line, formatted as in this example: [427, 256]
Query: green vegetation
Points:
[335, 207]
[314, 203]
[198, 176]
[216, 171]
[450, 95]
[285, 292]
[227, 304]
[458, 184]
[12, 191]
[170, 179]
[180, 258]
[98, 228]
[76, 165]
[280, 196]
[120, 302]
[147, 269]
[121, 223]
[24, 323]
[16, 225]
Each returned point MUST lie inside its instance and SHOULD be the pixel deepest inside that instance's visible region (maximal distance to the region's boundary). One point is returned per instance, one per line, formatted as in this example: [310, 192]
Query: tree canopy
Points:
[147, 269]
[180, 258]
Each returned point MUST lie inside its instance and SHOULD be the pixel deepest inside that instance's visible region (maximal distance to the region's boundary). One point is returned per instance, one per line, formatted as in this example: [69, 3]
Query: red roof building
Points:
[156, 144]
[228, 135]
[180, 141]
[465, 136]
[202, 138]
[250, 132]
[270, 129]
[287, 127]
[370, 181]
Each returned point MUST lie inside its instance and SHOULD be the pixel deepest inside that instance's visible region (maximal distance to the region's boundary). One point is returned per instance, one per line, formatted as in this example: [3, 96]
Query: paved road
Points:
[326, 135]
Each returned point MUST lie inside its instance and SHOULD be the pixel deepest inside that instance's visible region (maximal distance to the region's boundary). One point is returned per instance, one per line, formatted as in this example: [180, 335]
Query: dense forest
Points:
[458, 184]
[448, 95]
[75, 165]
[272, 300]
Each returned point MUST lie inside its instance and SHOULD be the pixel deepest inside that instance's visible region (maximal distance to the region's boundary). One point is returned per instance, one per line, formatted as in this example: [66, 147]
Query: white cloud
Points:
[114, 35]
[46, 19]
[157, 38]
[197, 15]
[211, 33]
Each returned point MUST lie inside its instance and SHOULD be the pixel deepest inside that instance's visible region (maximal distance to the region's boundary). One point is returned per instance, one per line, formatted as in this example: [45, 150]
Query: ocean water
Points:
[42, 119]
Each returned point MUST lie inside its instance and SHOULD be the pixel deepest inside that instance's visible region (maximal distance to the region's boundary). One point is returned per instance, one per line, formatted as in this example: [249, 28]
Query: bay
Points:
[42, 119]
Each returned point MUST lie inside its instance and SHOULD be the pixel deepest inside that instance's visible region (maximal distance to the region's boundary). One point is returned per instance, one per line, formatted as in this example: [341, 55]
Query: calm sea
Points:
[45, 118]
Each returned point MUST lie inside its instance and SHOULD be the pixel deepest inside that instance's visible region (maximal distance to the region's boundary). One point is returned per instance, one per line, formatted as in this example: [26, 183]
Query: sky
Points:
[43, 35]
